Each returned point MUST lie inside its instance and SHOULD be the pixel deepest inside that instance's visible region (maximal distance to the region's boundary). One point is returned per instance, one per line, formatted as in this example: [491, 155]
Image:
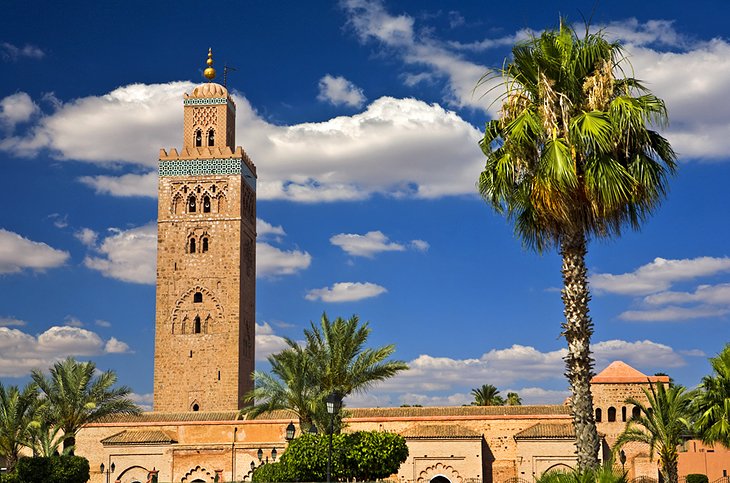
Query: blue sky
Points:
[363, 124]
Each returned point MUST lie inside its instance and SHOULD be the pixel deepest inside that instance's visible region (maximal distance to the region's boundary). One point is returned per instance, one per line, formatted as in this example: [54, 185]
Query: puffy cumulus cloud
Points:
[115, 346]
[643, 353]
[704, 302]
[144, 401]
[367, 245]
[10, 52]
[346, 292]
[86, 236]
[18, 253]
[126, 185]
[16, 108]
[340, 91]
[21, 352]
[710, 294]
[273, 262]
[72, 321]
[127, 255]
[659, 275]
[267, 342]
[538, 395]
[652, 32]
[265, 229]
[673, 313]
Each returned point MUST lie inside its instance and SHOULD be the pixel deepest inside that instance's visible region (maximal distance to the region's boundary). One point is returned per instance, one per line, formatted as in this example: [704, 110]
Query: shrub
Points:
[270, 472]
[697, 478]
[58, 469]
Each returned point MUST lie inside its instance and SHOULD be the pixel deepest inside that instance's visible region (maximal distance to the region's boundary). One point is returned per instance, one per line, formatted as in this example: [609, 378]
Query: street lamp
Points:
[290, 430]
[334, 401]
[313, 429]
[108, 471]
[273, 454]
[260, 454]
[622, 459]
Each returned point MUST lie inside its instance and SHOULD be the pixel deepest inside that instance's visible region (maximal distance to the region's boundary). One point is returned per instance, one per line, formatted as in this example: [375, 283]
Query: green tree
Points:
[17, 414]
[486, 395]
[663, 421]
[513, 399]
[570, 158]
[75, 397]
[711, 406]
[334, 359]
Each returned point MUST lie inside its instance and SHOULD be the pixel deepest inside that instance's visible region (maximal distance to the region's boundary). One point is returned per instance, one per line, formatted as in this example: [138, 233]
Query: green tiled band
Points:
[202, 167]
[204, 101]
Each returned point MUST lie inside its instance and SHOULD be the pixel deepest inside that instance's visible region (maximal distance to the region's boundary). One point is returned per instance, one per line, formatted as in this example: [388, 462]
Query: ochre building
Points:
[204, 355]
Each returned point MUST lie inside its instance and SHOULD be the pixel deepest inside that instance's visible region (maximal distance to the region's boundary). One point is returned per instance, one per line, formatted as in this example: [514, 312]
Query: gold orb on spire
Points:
[209, 72]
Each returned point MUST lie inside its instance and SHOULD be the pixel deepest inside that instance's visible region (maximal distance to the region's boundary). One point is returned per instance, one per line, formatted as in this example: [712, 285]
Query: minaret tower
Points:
[206, 260]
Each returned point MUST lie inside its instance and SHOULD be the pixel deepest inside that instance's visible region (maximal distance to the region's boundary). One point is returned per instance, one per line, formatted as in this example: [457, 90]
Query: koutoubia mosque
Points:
[204, 355]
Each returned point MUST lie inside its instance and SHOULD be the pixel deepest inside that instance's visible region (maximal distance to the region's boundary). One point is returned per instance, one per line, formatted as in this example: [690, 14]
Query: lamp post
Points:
[109, 471]
[622, 459]
[273, 454]
[334, 401]
[290, 430]
[313, 429]
[260, 454]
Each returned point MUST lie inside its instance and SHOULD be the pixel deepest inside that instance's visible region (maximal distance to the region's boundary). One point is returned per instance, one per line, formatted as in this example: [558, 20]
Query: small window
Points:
[205, 245]
[191, 249]
[212, 189]
[635, 412]
[197, 298]
[623, 413]
[198, 138]
[206, 204]
[191, 354]
[196, 326]
[191, 204]
[211, 137]
[219, 375]
[598, 415]
[611, 414]
[196, 407]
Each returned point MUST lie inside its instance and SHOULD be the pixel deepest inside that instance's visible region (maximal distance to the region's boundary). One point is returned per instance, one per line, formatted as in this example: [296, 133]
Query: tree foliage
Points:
[487, 395]
[571, 157]
[712, 405]
[603, 474]
[58, 469]
[333, 359]
[17, 416]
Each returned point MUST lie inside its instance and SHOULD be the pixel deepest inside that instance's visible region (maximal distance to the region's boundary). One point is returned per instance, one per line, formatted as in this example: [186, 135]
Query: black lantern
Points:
[334, 401]
[313, 429]
[253, 466]
[260, 454]
[273, 454]
[622, 458]
[290, 430]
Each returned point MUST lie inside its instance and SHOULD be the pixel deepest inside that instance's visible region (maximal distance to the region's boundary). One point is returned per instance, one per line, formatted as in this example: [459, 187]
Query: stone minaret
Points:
[206, 261]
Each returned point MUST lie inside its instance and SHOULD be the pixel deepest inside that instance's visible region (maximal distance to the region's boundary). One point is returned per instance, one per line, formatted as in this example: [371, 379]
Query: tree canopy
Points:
[711, 407]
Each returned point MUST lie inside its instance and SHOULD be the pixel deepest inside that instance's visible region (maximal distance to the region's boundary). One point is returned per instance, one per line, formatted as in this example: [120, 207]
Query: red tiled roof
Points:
[620, 372]
[439, 431]
[547, 431]
[138, 438]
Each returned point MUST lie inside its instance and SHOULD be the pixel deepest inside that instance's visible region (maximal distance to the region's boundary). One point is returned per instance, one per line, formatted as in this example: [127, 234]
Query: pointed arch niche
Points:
[197, 312]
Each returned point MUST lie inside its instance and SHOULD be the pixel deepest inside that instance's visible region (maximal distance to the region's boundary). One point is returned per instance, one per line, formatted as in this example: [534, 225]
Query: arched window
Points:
[611, 414]
[196, 407]
[206, 204]
[211, 137]
[191, 249]
[198, 138]
[196, 327]
[598, 415]
[635, 412]
[197, 298]
[205, 245]
[191, 204]
[623, 413]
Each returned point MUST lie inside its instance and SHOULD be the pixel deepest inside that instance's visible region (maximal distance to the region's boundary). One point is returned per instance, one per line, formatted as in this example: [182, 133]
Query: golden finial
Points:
[209, 72]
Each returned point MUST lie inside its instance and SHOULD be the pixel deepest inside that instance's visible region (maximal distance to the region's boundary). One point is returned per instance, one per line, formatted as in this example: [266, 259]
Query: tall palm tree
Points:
[513, 399]
[17, 414]
[571, 158]
[712, 403]
[74, 397]
[663, 421]
[486, 395]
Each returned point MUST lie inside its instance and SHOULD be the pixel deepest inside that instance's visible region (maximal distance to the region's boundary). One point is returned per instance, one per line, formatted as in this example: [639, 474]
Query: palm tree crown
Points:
[712, 404]
[662, 423]
[17, 416]
[571, 158]
[75, 397]
[487, 395]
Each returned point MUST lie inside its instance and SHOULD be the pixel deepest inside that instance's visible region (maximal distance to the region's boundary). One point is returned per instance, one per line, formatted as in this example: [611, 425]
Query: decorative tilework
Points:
[205, 101]
[197, 167]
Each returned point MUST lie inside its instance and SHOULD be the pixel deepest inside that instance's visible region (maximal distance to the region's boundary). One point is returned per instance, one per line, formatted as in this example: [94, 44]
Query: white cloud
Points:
[127, 255]
[144, 401]
[642, 353]
[11, 322]
[659, 275]
[346, 292]
[18, 253]
[267, 342]
[420, 245]
[72, 321]
[340, 91]
[16, 108]
[265, 229]
[673, 313]
[126, 185]
[115, 346]
[366, 245]
[87, 236]
[59, 221]
[21, 352]
[102, 323]
[709, 294]
[272, 261]
[12, 52]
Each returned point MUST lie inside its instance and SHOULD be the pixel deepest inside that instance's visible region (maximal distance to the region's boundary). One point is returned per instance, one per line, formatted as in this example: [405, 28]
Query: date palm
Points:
[17, 415]
[513, 399]
[74, 397]
[712, 403]
[663, 421]
[486, 395]
[571, 158]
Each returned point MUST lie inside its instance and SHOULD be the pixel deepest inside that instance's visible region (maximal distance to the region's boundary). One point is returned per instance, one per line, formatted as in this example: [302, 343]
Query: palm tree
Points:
[571, 158]
[17, 413]
[712, 403]
[75, 397]
[487, 395]
[663, 421]
[513, 399]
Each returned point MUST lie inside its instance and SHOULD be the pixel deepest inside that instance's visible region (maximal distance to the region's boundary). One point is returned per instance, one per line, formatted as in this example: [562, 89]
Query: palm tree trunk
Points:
[670, 469]
[577, 330]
